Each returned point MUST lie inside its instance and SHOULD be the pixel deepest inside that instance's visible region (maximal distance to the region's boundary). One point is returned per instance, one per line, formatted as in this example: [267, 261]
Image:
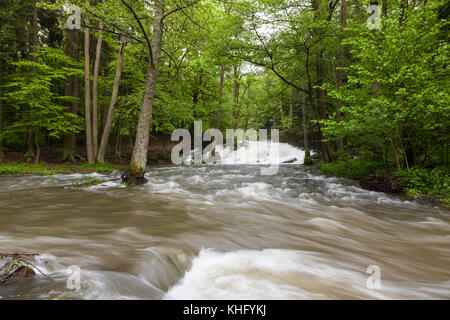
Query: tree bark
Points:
[87, 95]
[235, 93]
[95, 91]
[238, 111]
[327, 154]
[115, 91]
[247, 116]
[68, 145]
[38, 149]
[219, 109]
[340, 141]
[2, 154]
[34, 44]
[306, 145]
[138, 163]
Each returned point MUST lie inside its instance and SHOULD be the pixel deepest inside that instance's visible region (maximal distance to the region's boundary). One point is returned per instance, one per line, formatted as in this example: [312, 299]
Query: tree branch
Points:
[142, 29]
[180, 8]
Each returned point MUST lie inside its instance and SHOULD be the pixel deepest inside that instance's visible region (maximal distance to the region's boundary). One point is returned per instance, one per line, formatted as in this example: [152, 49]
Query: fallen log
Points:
[16, 267]
[291, 160]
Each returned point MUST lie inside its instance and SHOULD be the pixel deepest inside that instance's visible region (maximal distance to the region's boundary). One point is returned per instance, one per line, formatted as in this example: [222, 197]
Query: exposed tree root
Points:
[133, 179]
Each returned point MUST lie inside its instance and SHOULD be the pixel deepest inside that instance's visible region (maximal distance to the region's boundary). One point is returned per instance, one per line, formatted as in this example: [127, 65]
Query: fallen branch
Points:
[17, 267]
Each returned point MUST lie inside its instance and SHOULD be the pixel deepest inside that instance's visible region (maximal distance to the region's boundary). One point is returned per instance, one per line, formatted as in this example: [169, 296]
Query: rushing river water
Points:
[222, 232]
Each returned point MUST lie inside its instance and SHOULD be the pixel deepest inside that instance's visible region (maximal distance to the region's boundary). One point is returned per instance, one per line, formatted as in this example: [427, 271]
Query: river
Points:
[223, 231]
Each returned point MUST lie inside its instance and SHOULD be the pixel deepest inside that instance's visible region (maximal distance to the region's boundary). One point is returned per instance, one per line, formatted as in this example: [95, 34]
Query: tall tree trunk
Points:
[95, 91]
[340, 141]
[138, 162]
[248, 108]
[219, 109]
[87, 95]
[238, 111]
[115, 91]
[235, 94]
[327, 154]
[38, 149]
[2, 155]
[68, 146]
[306, 144]
[290, 116]
[118, 145]
[69, 143]
[34, 44]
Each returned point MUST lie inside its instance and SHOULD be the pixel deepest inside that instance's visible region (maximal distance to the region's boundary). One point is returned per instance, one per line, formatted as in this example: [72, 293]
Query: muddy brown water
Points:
[222, 232]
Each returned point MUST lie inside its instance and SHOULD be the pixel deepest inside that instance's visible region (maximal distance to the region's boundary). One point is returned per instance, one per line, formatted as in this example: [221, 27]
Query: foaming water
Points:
[255, 152]
[222, 232]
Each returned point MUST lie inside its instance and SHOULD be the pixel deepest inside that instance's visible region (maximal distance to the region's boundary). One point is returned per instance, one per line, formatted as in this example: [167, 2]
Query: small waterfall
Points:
[257, 152]
[254, 152]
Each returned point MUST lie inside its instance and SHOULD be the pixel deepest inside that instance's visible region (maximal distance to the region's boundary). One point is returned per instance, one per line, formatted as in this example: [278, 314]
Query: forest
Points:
[362, 86]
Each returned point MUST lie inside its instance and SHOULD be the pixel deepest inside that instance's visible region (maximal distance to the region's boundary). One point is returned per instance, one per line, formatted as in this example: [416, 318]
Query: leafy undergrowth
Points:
[10, 169]
[416, 183]
[426, 182]
[351, 168]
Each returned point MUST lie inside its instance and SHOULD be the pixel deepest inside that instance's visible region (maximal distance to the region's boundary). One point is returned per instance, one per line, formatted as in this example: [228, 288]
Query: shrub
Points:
[351, 168]
[426, 181]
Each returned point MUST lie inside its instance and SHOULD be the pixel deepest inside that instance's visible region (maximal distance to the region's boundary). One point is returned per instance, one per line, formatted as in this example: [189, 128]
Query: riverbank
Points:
[14, 160]
[11, 169]
[429, 186]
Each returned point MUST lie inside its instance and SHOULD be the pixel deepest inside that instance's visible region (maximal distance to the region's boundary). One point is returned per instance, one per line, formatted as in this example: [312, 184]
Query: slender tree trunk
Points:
[340, 141]
[115, 91]
[104, 110]
[68, 146]
[69, 143]
[290, 117]
[305, 124]
[35, 43]
[219, 109]
[95, 91]
[118, 148]
[138, 162]
[238, 111]
[38, 149]
[235, 93]
[327, 153]
[87, 95]
[248, 108]
[2, 155]
[75, 93]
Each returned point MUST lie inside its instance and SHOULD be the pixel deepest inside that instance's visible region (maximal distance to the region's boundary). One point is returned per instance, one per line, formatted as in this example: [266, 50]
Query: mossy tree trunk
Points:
[138, 163]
